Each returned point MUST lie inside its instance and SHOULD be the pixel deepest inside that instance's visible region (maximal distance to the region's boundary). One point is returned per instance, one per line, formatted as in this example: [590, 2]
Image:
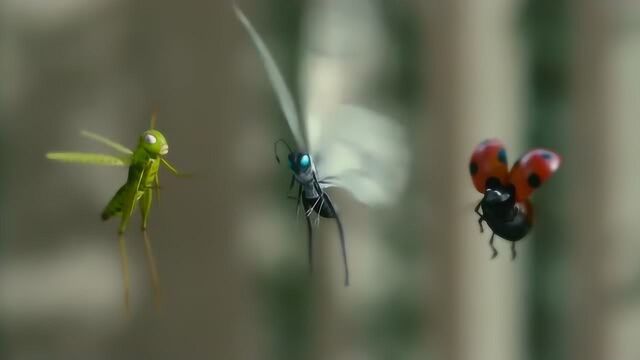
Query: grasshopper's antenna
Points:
[154, 119]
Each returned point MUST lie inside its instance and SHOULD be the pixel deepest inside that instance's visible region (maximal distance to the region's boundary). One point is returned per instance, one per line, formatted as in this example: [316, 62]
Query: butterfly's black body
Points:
[313, 198]
[505, 217]
[321, 205]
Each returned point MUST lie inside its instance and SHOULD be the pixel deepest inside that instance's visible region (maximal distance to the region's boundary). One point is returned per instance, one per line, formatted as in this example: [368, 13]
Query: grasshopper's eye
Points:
[150, 139]
[305, 161]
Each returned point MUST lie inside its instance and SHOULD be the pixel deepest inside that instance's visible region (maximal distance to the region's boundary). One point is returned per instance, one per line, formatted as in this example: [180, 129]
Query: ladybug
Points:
[506, 208]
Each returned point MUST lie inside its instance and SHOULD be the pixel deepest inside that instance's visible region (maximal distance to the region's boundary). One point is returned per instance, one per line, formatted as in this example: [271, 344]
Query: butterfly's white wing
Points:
[277, 81]
[345, 53]
[363, 152]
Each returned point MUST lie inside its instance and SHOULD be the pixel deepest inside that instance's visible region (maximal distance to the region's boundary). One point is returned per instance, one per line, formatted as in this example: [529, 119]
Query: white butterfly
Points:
[349, 147]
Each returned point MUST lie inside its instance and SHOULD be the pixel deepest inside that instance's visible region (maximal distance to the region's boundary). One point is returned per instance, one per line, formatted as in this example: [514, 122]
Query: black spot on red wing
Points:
[534, 181]
[473, 168]
[502, 156]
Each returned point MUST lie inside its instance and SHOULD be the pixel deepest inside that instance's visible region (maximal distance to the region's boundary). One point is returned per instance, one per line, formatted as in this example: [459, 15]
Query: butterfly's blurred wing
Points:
[89, 158]
[363, 152]
[110, 143]
[277, 81]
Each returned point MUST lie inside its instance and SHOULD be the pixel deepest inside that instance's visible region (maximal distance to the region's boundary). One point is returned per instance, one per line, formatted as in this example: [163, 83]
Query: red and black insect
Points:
[505, 206]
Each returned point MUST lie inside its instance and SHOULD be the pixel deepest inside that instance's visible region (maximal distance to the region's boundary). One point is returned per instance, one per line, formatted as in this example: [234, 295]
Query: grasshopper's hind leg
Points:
[145, 207]
[125, 271]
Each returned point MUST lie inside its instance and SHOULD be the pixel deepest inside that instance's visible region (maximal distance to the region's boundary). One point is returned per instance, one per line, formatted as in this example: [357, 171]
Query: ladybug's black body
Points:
[506, 218]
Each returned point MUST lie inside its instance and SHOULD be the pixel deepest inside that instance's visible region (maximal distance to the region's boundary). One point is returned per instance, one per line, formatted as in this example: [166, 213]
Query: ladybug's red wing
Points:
[532, 170]
[489, 160]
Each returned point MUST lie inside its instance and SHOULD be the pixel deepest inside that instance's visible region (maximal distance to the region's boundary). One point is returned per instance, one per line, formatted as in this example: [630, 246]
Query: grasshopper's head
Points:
[154, 143]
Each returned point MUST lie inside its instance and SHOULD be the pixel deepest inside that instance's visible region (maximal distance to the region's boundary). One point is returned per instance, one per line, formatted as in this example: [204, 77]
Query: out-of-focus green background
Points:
[555, 73]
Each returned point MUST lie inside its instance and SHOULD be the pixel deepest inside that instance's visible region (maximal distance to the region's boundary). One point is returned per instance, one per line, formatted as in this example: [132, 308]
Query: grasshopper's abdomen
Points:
[141, 177]
[151, 173]
[115, 205]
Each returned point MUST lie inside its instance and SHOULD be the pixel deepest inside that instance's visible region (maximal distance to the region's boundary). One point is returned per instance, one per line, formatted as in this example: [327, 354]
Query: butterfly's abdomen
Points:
[322, 206]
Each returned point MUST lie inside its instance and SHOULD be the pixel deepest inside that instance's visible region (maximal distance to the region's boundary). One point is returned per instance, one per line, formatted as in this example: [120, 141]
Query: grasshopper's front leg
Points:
[145, 207]
[172, 169]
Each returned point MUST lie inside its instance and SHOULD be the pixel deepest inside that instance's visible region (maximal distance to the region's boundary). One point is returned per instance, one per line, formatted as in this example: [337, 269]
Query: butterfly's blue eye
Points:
[305, 161]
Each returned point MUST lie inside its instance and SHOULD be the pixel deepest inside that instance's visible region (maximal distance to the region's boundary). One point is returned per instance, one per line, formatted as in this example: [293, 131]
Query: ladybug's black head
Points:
[499, 202]
[496, 196]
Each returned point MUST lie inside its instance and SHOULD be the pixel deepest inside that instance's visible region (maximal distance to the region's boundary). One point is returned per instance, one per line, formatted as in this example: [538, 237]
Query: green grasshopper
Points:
[144, 164]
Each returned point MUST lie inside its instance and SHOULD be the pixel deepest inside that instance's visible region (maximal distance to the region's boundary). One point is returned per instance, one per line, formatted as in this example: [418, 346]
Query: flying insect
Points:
[506, 207]
[350, 147]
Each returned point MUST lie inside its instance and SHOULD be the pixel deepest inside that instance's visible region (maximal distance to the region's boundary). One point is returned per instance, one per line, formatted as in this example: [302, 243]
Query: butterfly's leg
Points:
[145, 207]
[291, 185]
[493, 248]
[319, 211]
[310, 210]
[513, 250]
[298, 203]
[310, 244]
[342, 240]
[480, 217]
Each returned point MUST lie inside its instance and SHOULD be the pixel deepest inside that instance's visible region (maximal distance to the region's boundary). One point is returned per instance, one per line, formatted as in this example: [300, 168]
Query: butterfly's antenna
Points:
[154, 119]
[275, 148]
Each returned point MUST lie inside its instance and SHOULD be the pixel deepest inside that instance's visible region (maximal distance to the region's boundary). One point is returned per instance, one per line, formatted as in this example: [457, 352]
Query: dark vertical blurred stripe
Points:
[5, 166]
[289, 304]
[546, 29]
[589, 195]
[395, 325]
[437, 143]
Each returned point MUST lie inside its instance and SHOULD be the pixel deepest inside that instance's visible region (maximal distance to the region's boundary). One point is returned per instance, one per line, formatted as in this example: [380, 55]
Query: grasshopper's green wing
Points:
[110, 143]
[88, 158]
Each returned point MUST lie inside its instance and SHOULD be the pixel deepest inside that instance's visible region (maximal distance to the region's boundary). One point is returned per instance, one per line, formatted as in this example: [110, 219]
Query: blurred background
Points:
[561, 74]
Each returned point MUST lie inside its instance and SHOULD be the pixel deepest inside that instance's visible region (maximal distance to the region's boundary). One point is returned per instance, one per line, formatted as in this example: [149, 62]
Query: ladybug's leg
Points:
[493, 248]
[514, 213]
[513, 251]
[481, 217]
